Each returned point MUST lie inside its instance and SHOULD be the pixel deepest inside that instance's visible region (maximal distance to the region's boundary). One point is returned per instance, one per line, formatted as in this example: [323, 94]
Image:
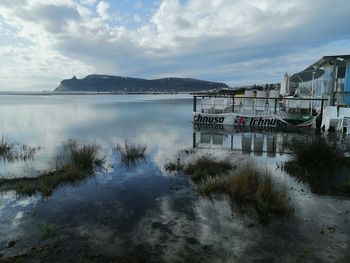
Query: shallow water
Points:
[142, 211]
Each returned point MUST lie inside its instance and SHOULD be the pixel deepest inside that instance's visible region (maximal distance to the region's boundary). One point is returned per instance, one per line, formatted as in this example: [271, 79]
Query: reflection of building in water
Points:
[257, 140]
[260, 142]
[215, 139]
[271, 145]
[247, 143]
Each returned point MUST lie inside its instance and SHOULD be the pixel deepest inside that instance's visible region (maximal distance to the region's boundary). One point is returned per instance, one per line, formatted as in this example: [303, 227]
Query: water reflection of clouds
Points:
[48, 121]
[12, 211]
[202, 224]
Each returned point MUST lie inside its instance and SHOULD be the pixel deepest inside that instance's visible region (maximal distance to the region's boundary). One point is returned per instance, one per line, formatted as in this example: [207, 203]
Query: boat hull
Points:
[268, 120]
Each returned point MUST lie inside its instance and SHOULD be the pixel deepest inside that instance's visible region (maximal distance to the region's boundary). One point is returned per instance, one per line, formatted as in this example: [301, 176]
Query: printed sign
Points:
[209, 119]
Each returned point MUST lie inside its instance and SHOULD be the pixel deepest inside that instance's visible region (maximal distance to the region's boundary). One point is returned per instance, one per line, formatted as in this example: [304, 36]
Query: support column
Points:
[333, 85]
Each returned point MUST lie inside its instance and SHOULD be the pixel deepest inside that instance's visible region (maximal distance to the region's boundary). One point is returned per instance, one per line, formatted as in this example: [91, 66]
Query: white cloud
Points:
[238, 42]
[102, 10]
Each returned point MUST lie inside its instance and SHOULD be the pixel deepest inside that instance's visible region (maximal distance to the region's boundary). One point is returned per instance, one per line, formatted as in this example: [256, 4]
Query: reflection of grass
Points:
[48, 231]
[74, 163]
[205, 168]
[321, 164]
[131, 153]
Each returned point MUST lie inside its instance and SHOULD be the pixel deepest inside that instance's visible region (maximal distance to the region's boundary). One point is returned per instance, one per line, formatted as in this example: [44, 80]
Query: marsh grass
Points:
[317, 155]
[321, 165]
[206, 167]
[74, 163]
[6, 146]
[211, 186]
[251, 186]
[246, 186]
[11, 152]
[131, 153]
[171, 166]
[48, 230]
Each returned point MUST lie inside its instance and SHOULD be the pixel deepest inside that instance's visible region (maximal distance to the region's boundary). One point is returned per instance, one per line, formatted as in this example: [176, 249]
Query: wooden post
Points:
[333, 84]
[233, 103]
[194, 103]
[194, 140]
[276, 101]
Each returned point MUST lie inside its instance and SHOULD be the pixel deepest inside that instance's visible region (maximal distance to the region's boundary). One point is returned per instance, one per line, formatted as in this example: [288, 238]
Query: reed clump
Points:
[177, 166]
[251, 186]
[11, 151]
[316, 155]
[246, 186]
[206, 167]
[217, 185]
[6, 147]
[131, 153]
[320, 164]
[74, 163]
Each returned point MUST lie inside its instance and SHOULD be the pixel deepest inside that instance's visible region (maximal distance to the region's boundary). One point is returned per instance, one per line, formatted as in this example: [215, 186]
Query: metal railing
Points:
[253, 104]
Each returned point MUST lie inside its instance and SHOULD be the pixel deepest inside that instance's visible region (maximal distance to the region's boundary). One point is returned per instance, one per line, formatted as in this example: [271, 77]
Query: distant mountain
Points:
[105, 83]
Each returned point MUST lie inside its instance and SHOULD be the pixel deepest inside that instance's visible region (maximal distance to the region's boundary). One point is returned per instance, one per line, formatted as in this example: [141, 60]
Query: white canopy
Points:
[285, 85]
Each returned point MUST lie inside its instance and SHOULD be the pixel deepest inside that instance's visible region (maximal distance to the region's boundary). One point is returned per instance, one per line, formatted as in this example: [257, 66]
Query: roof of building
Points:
[314, 71]
[328, 60]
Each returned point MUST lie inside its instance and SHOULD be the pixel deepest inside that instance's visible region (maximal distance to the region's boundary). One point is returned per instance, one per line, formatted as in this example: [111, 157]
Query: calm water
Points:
[142, 211]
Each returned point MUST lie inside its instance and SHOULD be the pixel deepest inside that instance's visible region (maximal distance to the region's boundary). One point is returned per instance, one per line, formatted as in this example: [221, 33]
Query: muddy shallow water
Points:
[143, 213]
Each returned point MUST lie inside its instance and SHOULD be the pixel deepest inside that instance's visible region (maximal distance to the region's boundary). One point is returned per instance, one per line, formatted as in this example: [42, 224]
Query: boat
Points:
[299, 101]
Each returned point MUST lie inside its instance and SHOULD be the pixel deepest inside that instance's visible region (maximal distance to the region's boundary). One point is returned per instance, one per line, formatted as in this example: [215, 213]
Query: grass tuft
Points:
[171, 166]
[320, 164]
[205, 168]
[6, 147]
[246, 186]
[317, 155]
[131, 153]
[48, 230]
[212, 185]
[249, 185]
[11, 152]
[74, 164]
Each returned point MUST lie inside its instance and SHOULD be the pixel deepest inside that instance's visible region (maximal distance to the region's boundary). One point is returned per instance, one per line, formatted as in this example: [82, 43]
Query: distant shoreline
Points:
[44, 93]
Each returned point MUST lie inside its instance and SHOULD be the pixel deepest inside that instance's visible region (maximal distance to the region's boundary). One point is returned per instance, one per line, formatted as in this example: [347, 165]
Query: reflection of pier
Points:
[257, 141]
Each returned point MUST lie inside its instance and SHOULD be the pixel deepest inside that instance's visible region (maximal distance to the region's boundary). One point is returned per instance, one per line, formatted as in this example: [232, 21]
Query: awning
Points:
[306, 75]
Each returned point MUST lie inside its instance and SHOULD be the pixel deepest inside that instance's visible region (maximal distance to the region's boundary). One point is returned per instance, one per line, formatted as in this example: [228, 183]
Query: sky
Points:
[238, 42]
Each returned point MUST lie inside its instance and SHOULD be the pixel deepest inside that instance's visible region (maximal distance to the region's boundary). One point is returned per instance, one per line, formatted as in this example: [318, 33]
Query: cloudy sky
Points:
[233, 41]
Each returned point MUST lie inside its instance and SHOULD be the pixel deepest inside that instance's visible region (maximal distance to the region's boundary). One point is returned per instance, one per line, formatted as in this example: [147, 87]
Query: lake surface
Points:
[143, 213]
